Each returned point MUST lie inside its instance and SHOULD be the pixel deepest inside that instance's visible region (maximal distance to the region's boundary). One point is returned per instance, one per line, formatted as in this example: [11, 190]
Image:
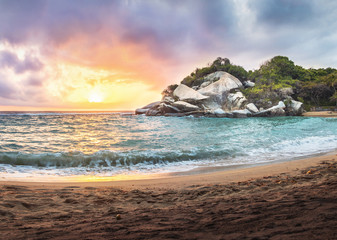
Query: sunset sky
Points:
[120, 54]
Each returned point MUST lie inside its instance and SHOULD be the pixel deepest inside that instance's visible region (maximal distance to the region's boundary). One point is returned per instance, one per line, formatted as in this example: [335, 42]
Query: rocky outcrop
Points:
[219, 112]
[275, 111]
[185, 107]
[144, 109]
[286, 92]
[252, 108]
[225, 84]
[220, 95]
[241, 113]
[168, 100]
[235, 101]
[218, 88]
[141, 111]
[204, 84]
[295, 108]
[155, 111]
[184, 93]
[166, 108]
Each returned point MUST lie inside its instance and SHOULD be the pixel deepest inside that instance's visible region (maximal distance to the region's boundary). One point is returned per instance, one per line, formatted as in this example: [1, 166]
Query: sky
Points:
[121, 54]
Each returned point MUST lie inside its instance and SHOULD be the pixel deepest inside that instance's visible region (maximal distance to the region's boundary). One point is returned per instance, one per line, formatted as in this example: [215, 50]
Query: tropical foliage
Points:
[315, 87]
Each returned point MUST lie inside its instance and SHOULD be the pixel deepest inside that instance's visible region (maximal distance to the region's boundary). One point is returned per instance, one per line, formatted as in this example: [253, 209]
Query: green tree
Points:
[168, 92]
[334, 98]
[331, 81]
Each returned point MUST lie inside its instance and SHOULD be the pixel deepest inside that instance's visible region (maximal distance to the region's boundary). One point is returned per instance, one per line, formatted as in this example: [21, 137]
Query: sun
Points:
[95, 97]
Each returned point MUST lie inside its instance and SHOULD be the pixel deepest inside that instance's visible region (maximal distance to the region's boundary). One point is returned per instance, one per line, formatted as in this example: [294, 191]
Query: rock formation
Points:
[220, 95]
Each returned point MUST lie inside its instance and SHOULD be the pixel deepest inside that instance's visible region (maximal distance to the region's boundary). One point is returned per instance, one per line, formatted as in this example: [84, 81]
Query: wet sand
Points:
[290, 200]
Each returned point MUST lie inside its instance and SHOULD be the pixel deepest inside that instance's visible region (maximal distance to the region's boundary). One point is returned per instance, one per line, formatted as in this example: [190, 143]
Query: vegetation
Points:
[314, 87]
[168, 92]
[220, 64]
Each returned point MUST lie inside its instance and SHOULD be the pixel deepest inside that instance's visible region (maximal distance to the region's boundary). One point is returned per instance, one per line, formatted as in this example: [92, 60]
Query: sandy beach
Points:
[321, 114]
[289, 200]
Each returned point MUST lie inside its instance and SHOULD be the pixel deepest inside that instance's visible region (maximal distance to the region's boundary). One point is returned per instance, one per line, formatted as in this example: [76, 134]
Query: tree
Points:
[168, 92]
[331, 81]
[281, 66]
[315, 92]
[334, 98]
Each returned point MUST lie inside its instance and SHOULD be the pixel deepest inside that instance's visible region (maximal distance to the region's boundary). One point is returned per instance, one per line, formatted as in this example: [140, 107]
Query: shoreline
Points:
[197, 176]
[325, 114]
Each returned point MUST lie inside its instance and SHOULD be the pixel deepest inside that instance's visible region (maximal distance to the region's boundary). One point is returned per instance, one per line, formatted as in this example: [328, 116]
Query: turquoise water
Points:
[108, 144]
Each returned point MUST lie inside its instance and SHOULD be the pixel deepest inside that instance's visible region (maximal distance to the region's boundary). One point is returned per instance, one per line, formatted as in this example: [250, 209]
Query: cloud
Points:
[156, 43]
[17, 19]
[6, 90]
[11, 60]
[34, 81]
[284, 12]
[158, 26]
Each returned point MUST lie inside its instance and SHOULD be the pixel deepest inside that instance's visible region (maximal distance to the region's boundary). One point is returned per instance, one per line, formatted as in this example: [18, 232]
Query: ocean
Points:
[110, 145]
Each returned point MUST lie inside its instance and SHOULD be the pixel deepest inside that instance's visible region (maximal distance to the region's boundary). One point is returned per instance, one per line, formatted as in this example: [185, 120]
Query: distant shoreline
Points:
[321, 114]
[306, 114]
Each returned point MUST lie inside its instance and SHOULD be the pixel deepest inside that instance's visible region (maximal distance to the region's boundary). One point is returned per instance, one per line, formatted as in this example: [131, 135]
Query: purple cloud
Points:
[6, 90]
[11, 60]
[34, 81]
[174, 35]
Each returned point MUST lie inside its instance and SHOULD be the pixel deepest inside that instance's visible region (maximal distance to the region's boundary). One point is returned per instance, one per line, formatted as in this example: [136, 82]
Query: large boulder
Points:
[184, 106]
[219, 112]
[213, 102]
[153, 112]
[213, 77]
[295, 108]
[185, 93]
[225, 83]
[241, 113]
[235, 101]
[286, 92]
[248, 84]
[168, 100]
[274, 111]
[140, 111]
[205, 84]
[218, 86]
[144, 109]
[166, 108]
[252, 108]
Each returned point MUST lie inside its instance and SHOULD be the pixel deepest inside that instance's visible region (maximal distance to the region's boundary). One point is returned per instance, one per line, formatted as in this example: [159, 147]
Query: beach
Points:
[168, 119]
[332, 114]
[288, 200]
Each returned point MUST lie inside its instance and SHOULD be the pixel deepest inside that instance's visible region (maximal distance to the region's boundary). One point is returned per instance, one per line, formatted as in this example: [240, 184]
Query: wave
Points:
[106, 158]
[285, 149]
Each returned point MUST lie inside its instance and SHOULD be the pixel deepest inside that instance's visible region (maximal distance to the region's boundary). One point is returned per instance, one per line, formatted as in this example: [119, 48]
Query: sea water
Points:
[46, 146]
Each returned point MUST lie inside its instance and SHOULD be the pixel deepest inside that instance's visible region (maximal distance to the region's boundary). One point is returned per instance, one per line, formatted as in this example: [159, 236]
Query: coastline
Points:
[326, 114]
[182, 180]
[295, 199]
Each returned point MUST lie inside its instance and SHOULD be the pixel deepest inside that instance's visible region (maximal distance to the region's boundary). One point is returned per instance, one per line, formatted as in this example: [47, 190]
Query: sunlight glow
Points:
[64, 85]
[95, 97]
[83, 87]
